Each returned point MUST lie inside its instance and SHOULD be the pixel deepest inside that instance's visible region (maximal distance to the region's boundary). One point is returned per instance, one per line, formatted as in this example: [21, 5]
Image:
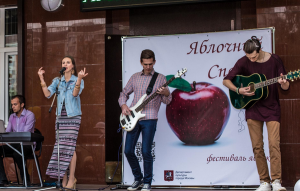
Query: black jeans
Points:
[17, 158]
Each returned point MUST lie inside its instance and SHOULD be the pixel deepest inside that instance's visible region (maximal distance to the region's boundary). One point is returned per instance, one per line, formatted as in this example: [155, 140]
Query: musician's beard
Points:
[18, 111]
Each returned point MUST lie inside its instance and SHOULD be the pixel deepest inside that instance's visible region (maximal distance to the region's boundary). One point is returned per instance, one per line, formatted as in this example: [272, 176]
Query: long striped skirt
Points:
[68, 133]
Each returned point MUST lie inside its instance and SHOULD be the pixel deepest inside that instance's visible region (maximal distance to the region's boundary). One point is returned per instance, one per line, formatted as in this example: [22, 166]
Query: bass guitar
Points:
[258, 83]
[128, 122]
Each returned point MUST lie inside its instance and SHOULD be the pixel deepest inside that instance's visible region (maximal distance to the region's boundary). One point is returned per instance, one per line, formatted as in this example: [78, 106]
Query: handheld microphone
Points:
[62, 70]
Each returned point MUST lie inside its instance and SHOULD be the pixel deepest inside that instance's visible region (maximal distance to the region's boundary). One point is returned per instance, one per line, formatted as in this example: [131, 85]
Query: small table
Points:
[23, 138]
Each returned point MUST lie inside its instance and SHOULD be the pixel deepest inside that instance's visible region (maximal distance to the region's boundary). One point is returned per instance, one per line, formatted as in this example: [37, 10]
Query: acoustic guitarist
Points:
[138, 84]
[267, 110]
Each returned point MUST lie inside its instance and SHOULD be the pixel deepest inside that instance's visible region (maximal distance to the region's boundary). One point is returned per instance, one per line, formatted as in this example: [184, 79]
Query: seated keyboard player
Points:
[21, 120]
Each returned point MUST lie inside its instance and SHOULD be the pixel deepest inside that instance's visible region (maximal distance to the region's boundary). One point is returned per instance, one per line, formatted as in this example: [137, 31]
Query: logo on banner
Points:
[169, 175]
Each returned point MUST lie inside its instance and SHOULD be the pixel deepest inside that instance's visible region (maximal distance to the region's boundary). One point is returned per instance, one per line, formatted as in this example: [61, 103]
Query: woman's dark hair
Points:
[251, 45]
[147, 54]
[73, 62]
[20, 97]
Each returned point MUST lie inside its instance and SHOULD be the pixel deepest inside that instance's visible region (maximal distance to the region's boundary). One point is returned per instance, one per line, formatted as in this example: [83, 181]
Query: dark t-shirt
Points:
[267, 109]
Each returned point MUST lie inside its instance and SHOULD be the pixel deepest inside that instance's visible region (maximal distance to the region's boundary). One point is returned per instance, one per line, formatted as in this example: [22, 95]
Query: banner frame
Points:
[215, 187]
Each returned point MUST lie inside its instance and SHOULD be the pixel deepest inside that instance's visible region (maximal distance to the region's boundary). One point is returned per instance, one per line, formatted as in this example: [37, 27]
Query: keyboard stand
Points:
[23, 160]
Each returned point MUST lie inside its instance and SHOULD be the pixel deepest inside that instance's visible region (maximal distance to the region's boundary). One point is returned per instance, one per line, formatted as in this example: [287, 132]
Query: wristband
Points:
[77, 87]
[43, 85]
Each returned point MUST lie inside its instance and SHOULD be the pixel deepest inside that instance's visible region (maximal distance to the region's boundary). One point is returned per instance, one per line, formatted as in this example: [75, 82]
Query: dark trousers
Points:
[148, 128]
[17, 158]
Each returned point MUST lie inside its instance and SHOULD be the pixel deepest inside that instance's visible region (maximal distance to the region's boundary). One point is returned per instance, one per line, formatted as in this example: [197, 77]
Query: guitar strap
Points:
[152, 82]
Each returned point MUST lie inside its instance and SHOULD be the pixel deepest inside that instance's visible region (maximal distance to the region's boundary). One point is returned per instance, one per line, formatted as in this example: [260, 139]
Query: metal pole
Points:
[273, 39]
[24, 171]
[58, 166]
[37, 167]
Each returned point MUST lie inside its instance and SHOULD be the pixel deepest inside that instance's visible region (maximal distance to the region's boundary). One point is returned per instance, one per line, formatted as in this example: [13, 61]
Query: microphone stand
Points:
[56, 93]
[58, 183]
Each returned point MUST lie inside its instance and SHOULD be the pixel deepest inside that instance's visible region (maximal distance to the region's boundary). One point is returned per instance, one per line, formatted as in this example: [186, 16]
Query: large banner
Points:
[200, 139]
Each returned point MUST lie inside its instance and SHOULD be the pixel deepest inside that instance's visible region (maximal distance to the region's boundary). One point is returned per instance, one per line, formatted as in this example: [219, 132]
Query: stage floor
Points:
[88, 187]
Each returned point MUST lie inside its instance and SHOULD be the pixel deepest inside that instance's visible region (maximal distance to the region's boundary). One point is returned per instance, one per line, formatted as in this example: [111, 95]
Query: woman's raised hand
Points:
[41, 73]
[82, 74]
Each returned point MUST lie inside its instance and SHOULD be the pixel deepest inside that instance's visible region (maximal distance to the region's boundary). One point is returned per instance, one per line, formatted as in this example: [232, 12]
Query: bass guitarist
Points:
[267, 110]
[138, 83]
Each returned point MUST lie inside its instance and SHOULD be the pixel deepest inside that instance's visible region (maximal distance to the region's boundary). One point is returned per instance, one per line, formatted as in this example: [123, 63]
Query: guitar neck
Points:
[269, 82]
[140, 107]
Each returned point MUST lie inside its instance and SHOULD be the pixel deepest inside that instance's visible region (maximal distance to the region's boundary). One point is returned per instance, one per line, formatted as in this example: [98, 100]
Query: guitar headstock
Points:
[293, 75]
[180, 73]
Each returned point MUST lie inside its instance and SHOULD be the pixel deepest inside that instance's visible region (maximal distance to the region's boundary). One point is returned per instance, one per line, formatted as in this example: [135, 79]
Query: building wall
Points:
[185, 18]
[8, 2]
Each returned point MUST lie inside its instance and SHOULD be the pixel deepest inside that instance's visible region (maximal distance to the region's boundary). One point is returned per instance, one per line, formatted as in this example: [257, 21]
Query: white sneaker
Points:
[146, 187]
[277, 186]
[264, 186]
[135, 185]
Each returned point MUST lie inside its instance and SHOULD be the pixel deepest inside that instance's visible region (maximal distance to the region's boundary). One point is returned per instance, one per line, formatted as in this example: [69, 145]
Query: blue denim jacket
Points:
[65, 89]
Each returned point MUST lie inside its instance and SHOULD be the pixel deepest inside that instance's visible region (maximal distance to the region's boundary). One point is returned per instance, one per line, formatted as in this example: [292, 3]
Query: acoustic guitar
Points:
[258, 83]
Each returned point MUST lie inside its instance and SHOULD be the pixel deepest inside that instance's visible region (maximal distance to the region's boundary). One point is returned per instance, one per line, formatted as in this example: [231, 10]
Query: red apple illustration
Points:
[198, 117]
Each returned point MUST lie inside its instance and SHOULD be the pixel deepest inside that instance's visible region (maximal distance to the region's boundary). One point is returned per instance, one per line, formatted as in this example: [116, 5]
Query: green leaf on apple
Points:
[179, 83]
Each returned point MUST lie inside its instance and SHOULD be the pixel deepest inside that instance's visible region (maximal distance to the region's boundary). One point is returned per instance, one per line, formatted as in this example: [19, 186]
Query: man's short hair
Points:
[251, 45]
[20, 97]
[147, 54]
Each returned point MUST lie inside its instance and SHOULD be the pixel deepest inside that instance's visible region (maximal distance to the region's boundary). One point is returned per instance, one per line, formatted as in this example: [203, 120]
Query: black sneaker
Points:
[146, 187]
[135, 185]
